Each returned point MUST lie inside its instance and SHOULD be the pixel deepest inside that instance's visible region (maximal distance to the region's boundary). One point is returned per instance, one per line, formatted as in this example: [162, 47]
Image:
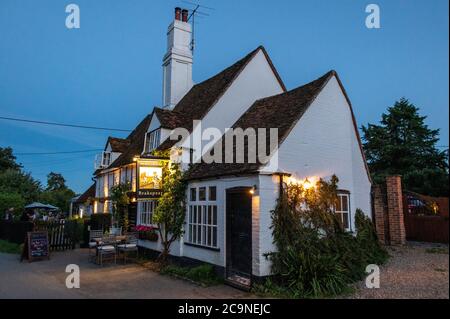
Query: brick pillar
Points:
[395, 210]
[379, 213]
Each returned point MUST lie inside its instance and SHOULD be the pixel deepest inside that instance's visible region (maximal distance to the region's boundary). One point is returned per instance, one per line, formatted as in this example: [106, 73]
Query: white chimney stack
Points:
[177, 62]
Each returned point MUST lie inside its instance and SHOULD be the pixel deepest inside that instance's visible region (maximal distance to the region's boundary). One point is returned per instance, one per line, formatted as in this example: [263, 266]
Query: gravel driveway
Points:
[415, 271]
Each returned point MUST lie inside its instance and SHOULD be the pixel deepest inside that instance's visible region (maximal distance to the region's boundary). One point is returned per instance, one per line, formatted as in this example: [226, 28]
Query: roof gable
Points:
[203, 96]
[281, 111]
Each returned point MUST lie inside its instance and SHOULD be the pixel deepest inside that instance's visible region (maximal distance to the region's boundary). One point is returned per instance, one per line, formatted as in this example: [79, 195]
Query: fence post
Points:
[395, 210]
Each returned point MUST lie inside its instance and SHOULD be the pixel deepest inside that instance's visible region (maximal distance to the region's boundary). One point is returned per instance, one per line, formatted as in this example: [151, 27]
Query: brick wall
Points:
[388, 212]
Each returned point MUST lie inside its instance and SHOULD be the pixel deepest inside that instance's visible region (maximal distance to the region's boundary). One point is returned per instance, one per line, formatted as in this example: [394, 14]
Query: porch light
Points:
[252, 190]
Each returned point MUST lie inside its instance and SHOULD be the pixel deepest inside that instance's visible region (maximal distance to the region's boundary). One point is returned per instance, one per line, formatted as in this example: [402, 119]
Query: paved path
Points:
[46, 279]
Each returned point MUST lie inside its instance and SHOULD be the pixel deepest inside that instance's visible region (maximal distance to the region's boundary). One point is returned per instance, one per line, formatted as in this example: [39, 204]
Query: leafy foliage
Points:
[315, 257]
[8, 160]
[120, 200]
[11, 200]
[170, 213]
[403, 144]
[20, 188]
[100, 221]
[18, 182]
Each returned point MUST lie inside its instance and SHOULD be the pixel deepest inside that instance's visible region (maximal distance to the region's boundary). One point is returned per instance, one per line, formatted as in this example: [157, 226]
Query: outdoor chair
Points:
[93, 235]
[106, 250]
[129, 246]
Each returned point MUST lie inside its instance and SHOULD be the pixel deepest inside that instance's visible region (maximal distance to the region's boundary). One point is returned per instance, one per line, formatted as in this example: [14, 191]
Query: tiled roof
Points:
[90, 192]
[193, 106]
[136, 138]
[281, 111]
[199, 100]
[168, 119]
[118, 145]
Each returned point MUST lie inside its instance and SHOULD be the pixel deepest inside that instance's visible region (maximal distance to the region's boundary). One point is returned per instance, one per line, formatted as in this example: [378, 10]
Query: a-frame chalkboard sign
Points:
[36, 246]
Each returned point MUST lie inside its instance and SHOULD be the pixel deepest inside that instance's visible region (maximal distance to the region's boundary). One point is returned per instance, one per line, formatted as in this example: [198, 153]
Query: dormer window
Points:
[152, 140]
[102, 160]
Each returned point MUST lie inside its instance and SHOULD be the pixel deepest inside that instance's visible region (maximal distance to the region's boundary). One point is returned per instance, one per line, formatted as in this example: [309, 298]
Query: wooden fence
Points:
[426, 218]
[59, 236]
[427, 228]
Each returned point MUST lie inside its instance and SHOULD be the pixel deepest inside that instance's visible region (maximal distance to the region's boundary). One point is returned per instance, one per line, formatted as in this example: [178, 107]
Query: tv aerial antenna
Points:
[195, 12]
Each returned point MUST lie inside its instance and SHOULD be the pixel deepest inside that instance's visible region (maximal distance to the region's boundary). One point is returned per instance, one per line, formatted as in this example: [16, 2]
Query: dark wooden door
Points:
[239, 232]
[132, 215]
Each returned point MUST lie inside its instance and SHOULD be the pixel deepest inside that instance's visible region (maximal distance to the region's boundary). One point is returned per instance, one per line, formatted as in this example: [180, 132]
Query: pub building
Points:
[228, 205]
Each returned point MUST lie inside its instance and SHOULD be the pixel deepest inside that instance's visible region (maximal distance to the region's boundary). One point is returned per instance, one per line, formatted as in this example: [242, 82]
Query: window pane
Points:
[195, 215]
[209, 215]
[202, 193]
[193, 194]
[204, 235]
[212, 193]
[214, 215]
[209, 235]
[194, 233]
[199, 234]
[215, 236]
[338, 204]
[345, 203]
[345, 220]
[205, 214]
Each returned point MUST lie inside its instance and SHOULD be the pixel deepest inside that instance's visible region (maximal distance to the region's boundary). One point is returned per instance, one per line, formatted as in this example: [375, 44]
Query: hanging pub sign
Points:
[150, 181]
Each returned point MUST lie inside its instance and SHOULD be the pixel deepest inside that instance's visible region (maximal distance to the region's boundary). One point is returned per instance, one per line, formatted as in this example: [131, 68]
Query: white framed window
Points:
[145, 212]
[342, 209]
[202, 225]
[152, 140]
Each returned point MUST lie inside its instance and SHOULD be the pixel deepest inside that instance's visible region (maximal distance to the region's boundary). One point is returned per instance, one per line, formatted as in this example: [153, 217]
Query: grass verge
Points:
[9, 248]
[203, 275]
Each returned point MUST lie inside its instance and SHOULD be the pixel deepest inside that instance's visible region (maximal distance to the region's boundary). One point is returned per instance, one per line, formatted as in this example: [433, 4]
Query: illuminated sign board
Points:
[150, 182]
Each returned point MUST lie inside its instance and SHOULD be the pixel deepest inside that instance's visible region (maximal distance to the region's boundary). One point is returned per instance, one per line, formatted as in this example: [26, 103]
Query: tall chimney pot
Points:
[184, 15]
[177, 13]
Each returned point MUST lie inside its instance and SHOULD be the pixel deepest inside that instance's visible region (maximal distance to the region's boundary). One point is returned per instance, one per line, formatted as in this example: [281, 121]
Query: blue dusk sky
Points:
[108, 73]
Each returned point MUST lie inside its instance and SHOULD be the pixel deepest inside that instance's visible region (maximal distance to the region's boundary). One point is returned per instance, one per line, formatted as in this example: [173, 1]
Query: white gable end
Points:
[324, 142]
[257, 80]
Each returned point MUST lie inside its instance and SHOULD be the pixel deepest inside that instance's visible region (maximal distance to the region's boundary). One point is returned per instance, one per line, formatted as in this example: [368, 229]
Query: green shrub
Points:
[100, 221]
[315, 257]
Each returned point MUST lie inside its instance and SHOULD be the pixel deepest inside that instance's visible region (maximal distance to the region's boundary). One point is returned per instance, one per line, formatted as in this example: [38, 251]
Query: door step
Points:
[240, 282]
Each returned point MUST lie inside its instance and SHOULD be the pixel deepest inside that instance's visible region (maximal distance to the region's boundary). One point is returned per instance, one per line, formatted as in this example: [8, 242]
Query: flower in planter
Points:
[147, 232]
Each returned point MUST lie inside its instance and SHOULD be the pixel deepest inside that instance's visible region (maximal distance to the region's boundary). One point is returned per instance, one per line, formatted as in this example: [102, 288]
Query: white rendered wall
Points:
[256, 81]
[324, 143]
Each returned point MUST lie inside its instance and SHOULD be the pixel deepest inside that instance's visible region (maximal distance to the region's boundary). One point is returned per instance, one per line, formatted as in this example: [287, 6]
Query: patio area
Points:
[46, 279]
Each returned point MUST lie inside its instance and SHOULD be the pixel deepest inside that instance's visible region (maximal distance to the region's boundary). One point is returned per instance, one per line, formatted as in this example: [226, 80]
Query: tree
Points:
[403, 144]
[8, 160]
[120, 200]
[16, 181]
[170, 213]
[11, 200]
[55, 181]
[59, 198]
